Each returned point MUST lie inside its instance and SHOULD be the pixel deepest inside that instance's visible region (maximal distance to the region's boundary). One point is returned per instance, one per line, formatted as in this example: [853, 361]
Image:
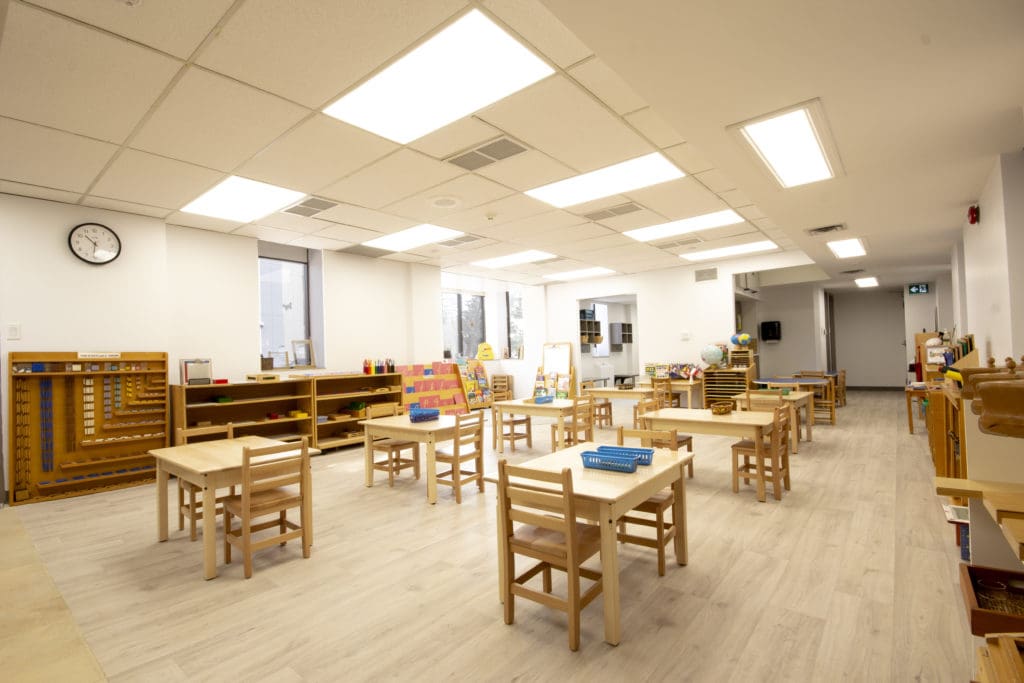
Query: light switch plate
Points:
[13, 331]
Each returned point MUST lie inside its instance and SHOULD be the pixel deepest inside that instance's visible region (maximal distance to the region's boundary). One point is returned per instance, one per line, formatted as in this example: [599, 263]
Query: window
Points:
[514, 321]
[462, 316]
[284, 308]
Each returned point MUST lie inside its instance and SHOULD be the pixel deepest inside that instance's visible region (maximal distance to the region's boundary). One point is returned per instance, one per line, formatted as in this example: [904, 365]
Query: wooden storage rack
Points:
[252, 408]
[721, 384]
[336, 423]
[84, 422]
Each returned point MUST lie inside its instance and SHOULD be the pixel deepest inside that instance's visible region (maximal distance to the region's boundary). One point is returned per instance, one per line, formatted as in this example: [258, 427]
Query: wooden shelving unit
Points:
[84, 422]
[744, 357]
[252, 408]
[336, 417]
[721, 384]
[590, 330]
[619, 334]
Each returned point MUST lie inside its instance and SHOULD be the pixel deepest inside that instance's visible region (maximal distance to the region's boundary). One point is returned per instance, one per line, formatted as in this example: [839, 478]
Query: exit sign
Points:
[918, 288]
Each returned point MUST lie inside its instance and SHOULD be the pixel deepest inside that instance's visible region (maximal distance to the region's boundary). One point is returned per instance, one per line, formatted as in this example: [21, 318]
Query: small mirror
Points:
[302, 352]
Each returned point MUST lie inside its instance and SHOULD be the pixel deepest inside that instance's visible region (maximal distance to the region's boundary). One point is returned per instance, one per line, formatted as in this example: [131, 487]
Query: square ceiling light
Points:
[650, 169]
[530, 256]
[794, 144]
[866, 282]
[681, 227]
[464, 67]
[847, 248]
[580, 274]
[242, 200]
[413, 237]
[736, 250]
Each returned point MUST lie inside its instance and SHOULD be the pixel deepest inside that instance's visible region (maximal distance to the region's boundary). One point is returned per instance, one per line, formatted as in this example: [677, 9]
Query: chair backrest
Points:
[501, 387]
[662, 390]
[272, 467]
[646, 405]
[812, 373]
[780, 429]
[650, 438]
[183, 435]
[469, 433]
[841, 380]
[764, 400]
[382, 409]
[582, 415]
[540, 499]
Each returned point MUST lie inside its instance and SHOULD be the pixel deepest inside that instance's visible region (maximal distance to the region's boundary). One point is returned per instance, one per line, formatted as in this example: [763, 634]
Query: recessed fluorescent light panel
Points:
[579, 274]
[650, 169]
[413, 237]
[867, 282]
[723, 252]
[681, 227]
[242, 200]
[792, 144]
[465, 67]
[847, 248]
[521, 257]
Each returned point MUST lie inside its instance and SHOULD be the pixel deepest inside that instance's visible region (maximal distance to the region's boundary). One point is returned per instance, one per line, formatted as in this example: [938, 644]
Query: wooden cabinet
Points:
[945, 423]
[744, 357]
[619, 334]
[84, 422]
[721, 384]
[339, 405]
[281, 410]
[590, 332]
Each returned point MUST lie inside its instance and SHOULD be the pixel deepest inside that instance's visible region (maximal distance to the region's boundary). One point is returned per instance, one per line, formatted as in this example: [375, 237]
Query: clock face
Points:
[94, 243]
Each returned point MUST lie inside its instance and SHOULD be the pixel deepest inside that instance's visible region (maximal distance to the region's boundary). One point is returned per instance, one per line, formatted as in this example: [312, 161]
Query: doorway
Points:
[869, 337]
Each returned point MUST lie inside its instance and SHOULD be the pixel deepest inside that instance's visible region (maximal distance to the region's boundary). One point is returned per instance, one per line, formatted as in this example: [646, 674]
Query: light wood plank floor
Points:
[851, 576]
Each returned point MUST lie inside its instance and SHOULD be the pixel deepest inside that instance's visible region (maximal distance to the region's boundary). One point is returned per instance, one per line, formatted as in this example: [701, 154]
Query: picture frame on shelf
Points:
[302, 353]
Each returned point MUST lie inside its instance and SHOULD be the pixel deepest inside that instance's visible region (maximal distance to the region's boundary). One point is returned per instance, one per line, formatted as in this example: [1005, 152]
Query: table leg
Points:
[910, 414]
[610, 574]
[161, 502]
[502, 556]
[432, 471]
[679, 516]
[794, 428]
[368, 455]
[500, 419]
[560, 433]
[810, 416]
[759, 456]
[209, 530]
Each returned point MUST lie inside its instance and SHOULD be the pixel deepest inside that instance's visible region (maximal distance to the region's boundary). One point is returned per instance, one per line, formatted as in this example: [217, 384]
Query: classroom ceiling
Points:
[140, 106]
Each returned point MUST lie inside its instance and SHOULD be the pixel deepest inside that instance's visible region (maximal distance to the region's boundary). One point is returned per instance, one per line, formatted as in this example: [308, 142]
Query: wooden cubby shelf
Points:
[721, 384]
[336, 397]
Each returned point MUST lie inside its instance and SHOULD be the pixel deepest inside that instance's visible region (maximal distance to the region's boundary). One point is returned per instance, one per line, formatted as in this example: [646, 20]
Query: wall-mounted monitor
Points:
[771, 330]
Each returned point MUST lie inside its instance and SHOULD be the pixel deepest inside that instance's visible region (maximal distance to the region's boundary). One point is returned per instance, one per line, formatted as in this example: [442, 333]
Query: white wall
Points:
[870, 333]
[918, 316]
[796, 308]
[1013, 199]
[960, 323]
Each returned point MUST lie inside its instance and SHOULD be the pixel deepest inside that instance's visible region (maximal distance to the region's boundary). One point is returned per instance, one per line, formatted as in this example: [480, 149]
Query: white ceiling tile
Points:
[654, 128]
[542, 29]
[317, 152]
[688, 158]
[395, 177]
[455, 137]
[370, 219]
[727, 231]
[405, 257]
[598, 78]
[42, 156]
[194, 220]
[314, 242]
[214, 121]
[571, 234]
[765, 223]
[125, 207]
[605, 242]
[173, 27]
[274, 44]
[268, 234]
[62, 74]
[679, 198]
[545, 222]
[293, 222]
[735, 198]
[751, 212]
[469, 190]
[526, 171]
[348, 233]
[495, 213]
[715, 180]
[129, 179]
[632, 221]
[550, 116]
[23, 190]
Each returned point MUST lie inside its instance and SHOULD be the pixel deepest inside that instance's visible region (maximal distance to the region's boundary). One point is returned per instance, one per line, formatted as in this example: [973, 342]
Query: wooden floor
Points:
[851, 576]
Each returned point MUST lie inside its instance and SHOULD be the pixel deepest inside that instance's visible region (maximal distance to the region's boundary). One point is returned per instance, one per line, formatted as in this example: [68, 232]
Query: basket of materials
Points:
[423, 414]
[644, 456]
[543, 399]
[721, 408]
[609, 461]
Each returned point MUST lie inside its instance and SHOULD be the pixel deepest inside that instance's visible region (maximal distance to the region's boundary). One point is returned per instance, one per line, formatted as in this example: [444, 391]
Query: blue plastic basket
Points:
[644, 456]
[543, 399]
[609, 461]
[423, 414]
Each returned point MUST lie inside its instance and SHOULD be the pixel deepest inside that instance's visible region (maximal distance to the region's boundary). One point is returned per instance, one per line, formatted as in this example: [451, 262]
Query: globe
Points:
[740, 339]
[712, 355]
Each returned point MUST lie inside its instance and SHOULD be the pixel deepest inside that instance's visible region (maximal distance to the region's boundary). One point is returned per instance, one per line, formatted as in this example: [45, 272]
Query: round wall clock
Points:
[94, 243]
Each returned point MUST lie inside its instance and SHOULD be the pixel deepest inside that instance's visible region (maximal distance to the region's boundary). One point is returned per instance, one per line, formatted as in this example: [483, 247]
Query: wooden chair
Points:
[513, 434]
[660, 503]
[602, 406]
[274, 480]
[672, 444]
[393, 462]
[644, 405]
[537, 519]
[581, 423]
[811, 373]
[774, 465]
[501, 387]
[663, 392]
[763, 400]
[825, 402]
[192, 509]
[841, 388]
[467, 445]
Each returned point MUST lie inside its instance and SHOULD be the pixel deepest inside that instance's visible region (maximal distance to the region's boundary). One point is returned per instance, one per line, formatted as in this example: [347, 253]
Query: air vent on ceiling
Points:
[706, 274]
[495, 150]
[458, 241]
[851, 272]
[612, 211]
[684, 242]
[826, 229]
[310, 206]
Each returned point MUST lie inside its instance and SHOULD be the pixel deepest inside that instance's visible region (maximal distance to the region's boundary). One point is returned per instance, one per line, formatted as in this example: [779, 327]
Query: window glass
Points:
[284, 309]
[462, 320]
[514, 311]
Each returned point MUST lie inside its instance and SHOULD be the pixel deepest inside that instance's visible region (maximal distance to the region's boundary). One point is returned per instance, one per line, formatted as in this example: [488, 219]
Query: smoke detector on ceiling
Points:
[445, 202]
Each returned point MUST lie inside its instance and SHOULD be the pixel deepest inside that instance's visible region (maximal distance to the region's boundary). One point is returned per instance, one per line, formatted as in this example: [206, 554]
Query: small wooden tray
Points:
[986, 620]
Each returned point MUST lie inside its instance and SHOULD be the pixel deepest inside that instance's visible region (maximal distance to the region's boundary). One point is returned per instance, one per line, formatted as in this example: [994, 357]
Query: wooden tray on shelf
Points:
[982, 611]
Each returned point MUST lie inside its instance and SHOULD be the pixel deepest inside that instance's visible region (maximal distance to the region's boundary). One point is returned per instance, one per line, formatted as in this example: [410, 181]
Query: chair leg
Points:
[735, 471]
[529, 431]
[391, 467]
[227, 534]
[416, 459]
[247, 547]
[659, 519]
[181, 503]
[192, 535]
[480, 472]
[457, 481]
[508, 597]
[574, 608]
[282, 523]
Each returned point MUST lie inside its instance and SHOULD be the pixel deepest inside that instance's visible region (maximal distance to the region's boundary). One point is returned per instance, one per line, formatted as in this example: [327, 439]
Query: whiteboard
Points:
[557, 357]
